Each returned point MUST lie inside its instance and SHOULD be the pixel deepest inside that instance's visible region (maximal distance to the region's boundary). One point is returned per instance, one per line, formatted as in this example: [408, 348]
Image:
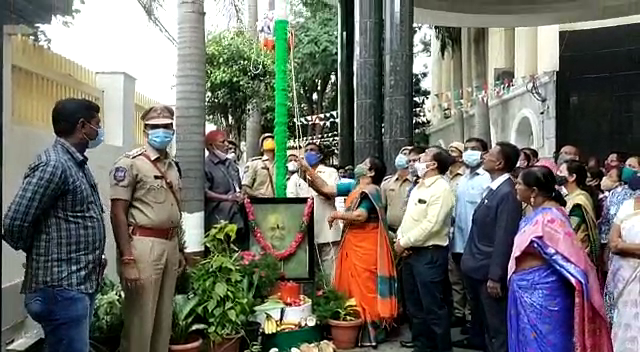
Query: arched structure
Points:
[519, 13]
[525, 130]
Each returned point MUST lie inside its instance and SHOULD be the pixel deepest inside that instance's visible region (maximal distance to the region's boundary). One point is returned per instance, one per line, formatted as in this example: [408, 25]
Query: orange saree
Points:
[365, 269]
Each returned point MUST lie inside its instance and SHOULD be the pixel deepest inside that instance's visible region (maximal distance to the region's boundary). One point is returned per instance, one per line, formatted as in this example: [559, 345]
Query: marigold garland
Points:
[265, 245]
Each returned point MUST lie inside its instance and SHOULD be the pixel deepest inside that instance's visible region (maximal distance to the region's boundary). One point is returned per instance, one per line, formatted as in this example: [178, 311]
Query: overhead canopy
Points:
[516, 13]
[519, 13]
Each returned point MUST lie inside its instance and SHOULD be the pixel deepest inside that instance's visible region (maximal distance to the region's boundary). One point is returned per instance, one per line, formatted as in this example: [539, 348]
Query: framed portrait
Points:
[279, 221]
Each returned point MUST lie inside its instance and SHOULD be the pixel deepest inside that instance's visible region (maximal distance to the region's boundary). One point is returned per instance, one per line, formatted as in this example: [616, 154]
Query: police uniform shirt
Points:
[258, 176]
[134, 178]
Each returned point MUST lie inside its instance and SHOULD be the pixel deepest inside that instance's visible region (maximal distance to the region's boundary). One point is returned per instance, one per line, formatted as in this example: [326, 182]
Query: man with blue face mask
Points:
[57, 220]
[145, 217]
[395, 189]
[469, 192]
[327, 238]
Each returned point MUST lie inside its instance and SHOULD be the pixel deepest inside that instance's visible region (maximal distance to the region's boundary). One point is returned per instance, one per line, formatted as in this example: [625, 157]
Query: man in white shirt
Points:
[423, 242]
[327, 239]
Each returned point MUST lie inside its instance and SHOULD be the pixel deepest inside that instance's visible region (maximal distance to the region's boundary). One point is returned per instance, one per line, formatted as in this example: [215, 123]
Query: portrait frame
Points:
[264, 207]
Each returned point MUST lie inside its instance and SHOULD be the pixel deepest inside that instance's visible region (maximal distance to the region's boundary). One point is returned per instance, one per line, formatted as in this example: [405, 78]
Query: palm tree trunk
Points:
[254, 122]
[482, 122]
[190, 112]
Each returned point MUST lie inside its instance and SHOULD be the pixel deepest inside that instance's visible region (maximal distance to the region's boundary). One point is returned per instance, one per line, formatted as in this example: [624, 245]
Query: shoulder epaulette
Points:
[134, 153]
[256, 158]
[387, 178]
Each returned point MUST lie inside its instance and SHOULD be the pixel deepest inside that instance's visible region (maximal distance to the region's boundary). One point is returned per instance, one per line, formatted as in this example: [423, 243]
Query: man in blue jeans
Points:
[56, 219]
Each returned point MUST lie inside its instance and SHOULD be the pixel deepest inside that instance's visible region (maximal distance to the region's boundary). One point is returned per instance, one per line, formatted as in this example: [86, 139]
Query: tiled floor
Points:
[394, 344]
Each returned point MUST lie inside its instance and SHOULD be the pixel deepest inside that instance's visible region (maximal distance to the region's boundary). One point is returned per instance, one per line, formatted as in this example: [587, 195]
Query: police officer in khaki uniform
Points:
[145, 216]
[258, 180]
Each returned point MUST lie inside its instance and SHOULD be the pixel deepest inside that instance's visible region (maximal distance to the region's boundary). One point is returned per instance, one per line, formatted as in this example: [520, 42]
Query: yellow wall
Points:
[40, 77]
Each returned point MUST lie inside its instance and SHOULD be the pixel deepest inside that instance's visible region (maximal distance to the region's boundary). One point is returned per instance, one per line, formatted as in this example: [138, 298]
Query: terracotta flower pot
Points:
[345, 333]
[187, 347]
[228, 344]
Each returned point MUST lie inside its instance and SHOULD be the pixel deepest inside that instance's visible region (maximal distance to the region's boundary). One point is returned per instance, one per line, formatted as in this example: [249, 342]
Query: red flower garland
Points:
[265, 245]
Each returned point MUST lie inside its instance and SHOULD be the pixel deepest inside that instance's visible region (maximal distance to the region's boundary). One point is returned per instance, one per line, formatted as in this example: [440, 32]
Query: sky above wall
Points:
[115, 35]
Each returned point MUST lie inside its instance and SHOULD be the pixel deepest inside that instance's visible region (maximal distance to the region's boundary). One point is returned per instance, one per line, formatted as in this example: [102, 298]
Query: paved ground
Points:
[394, 344]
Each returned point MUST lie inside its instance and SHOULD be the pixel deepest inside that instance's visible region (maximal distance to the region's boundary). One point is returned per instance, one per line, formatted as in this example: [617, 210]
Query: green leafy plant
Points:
[218, 283]
[332, 304]
[261, 272]
[107, 319]
[184, 313]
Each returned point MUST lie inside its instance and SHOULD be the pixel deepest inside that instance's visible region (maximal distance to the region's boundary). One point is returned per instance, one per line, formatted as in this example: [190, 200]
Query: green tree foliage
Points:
[315, 54]
[238, 71]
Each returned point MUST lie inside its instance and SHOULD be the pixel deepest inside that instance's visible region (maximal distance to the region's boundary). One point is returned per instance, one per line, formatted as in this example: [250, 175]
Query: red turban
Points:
[214, 136]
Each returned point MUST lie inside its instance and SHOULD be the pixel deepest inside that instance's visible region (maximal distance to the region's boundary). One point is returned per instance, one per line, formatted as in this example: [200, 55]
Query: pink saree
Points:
[549, 232]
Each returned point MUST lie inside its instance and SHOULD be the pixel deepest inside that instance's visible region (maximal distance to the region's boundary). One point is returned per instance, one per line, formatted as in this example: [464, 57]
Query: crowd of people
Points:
[521, 253]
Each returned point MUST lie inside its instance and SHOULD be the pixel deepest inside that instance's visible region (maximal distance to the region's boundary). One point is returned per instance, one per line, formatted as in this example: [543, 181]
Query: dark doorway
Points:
[598, 90]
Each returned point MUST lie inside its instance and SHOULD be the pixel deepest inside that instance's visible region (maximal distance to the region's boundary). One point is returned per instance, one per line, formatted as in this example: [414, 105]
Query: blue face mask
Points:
[626, 174]
[402, 162]
[312, 158]
[95, 143]
[160, 138]
[472, 158]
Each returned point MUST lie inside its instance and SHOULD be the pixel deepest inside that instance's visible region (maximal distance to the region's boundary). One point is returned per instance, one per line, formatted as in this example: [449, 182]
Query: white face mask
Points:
[292, 166]
[421, 169]
[232, 156]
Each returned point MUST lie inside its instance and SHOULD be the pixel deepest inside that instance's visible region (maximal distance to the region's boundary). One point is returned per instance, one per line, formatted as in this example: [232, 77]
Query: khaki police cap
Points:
[265, 136]
[158, 115]
[457, 146]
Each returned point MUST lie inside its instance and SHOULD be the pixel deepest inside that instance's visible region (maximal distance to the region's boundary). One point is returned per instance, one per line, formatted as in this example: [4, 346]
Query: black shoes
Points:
[407, 344]
[466, 344]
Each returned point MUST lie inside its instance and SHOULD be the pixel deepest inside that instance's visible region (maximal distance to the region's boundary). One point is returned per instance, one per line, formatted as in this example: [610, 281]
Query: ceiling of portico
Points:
[519, 13]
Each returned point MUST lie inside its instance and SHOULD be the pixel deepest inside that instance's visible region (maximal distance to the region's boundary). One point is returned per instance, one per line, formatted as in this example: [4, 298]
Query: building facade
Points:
[520, 86]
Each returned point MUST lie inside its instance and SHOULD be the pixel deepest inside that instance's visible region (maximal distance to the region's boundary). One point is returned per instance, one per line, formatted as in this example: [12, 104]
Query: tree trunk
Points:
[482, 122]
[254, 122]
[190, 112]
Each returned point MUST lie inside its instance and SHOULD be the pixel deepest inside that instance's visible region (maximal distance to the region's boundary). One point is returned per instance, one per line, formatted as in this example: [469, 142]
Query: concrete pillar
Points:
[456, 92]
[526, 52]
[398, 79]
[501, 55]
[436, 66]
[466, 52]
[345, 82]
[118, 115]
[447, 67]
[548, 48]
[368, 79]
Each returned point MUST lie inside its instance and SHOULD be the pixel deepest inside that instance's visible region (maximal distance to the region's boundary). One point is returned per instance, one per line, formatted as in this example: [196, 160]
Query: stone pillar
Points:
[398, 78]
[368, 79]
[548, 48]
[501, 51]
[436, 79]
[345, 83]
[526, 52]
[118, 113]
[466, 52]
[447, 67]
[456, 92]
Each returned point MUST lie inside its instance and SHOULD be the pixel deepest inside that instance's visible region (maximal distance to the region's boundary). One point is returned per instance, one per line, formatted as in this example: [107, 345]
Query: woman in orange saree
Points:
[365, 269]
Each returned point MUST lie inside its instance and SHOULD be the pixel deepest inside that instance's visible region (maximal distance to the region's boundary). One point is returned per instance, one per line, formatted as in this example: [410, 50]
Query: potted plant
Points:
[341, 314]
[218, 283]
[183, 326]
[261, 273]
[107, 322]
